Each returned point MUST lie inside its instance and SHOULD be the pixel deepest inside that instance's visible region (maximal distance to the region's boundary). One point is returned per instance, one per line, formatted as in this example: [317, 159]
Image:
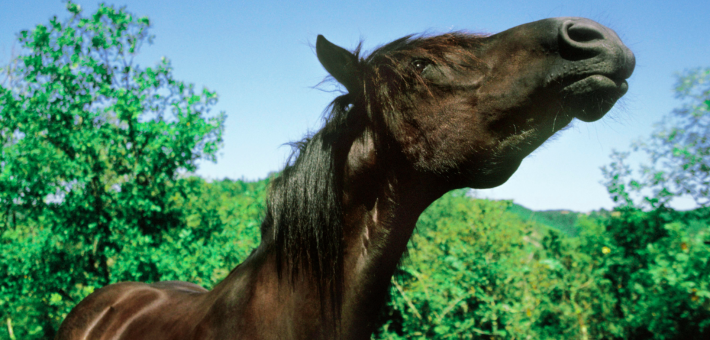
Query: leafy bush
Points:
[475, 270]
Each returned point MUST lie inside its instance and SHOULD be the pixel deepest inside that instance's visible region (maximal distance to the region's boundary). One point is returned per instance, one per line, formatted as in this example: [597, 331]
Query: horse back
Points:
[132, 310]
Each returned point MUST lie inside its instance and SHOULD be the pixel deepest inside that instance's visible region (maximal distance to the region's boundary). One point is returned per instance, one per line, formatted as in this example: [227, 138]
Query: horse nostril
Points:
[581, 39]
[583, 33]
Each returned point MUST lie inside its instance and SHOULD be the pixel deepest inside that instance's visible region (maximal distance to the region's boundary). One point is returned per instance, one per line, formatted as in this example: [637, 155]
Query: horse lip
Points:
[587, 84]
[589, 97]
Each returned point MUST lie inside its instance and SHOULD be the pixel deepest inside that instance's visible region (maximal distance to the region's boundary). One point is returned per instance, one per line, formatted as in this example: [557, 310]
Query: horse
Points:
[418, 117]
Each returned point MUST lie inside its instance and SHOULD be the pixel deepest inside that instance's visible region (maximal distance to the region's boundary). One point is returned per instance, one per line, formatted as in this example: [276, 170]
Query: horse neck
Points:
[382, 201]
[383, 198]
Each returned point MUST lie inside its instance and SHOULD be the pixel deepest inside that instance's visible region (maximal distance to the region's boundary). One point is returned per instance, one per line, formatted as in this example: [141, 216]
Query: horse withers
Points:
[422, 115]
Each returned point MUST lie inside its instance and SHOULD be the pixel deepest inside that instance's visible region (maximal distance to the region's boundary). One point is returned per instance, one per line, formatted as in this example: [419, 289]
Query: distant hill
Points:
[565, 220]
[562, 220]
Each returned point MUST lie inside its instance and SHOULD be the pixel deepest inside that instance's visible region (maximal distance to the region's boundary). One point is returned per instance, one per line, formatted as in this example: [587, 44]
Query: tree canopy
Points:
[92, 146]
[678, 152]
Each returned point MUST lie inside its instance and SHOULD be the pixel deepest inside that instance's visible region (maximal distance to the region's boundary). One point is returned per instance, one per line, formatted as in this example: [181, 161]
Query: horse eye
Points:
[420, 64]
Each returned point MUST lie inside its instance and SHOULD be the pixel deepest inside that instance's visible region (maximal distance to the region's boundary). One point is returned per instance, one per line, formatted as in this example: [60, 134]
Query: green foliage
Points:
[659, 260]
[456, 282]
[679, 152]
[478, 271]
[92, 147]
[659, 272]
[218, 228]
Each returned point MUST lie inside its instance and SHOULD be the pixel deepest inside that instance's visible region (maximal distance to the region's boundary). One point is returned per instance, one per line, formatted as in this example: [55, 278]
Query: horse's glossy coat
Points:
[422, 116]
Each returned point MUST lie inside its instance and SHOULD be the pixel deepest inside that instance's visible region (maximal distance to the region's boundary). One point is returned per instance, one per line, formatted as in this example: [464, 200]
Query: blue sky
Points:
[258, 56]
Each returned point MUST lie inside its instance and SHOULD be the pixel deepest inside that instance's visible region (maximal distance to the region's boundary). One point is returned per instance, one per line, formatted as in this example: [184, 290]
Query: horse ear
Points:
[339, 62]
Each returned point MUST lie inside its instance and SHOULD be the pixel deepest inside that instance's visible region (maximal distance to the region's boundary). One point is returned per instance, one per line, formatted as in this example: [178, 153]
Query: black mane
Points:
[304, 215]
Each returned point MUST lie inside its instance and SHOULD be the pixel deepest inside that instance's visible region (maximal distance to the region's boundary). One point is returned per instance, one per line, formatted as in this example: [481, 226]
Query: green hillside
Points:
[562, 220]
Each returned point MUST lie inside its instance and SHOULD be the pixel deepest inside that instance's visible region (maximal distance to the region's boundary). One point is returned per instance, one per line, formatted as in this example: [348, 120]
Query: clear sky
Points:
[258, 56]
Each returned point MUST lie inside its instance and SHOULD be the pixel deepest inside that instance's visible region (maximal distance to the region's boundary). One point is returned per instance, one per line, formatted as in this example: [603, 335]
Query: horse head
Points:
[469, 108]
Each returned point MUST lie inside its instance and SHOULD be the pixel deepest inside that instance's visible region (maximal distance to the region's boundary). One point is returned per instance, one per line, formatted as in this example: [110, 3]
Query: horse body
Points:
[421, 116]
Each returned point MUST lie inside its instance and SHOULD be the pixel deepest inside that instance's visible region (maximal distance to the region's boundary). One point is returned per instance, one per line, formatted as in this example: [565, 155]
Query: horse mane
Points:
[303, 223]
[304, 214]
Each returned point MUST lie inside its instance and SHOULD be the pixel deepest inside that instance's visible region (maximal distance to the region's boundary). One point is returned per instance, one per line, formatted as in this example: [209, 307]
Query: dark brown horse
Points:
[422, 116]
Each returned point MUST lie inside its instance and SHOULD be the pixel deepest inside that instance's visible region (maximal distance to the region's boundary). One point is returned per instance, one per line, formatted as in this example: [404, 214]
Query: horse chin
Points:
[494, 175]
[590, 98]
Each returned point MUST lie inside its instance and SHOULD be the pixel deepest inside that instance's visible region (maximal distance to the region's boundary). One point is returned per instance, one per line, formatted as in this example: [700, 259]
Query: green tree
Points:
[657, 260]
[92, 149]
[679, 151]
